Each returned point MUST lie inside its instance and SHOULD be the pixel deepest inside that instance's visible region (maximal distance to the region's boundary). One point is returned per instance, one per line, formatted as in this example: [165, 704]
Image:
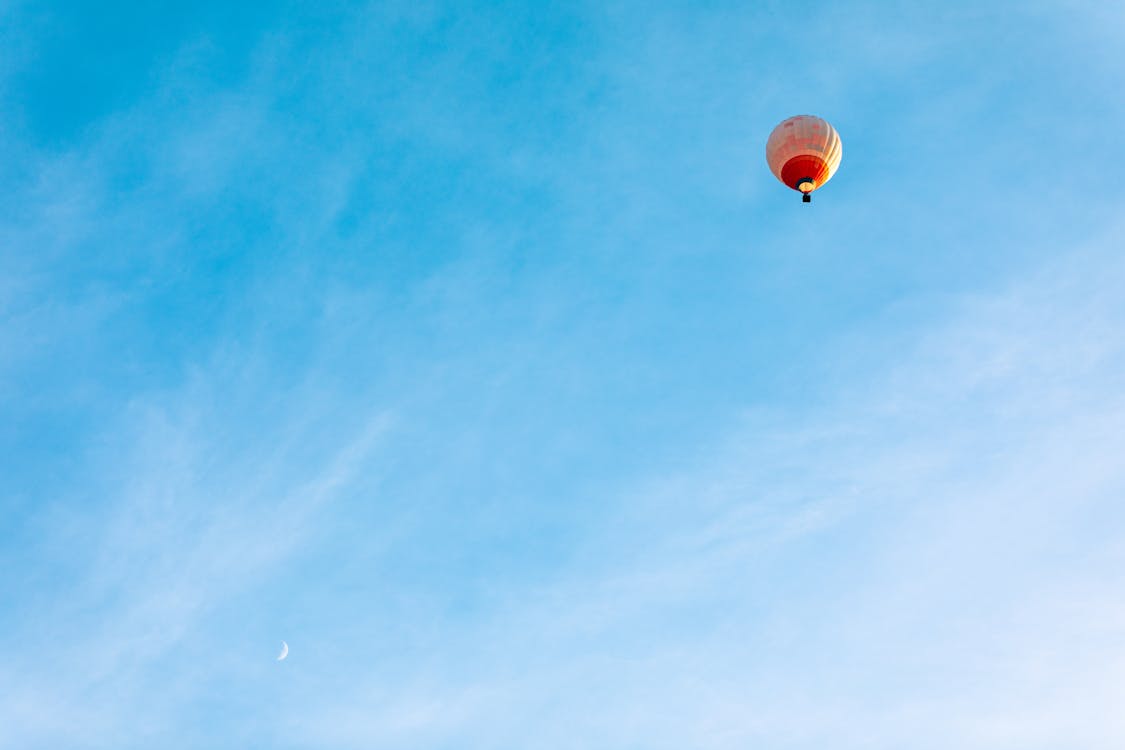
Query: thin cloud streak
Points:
[189, 528]
[933, 564]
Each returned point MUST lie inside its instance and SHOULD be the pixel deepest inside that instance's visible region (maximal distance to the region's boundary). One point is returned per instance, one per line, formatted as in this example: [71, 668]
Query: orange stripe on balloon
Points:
[805, 167]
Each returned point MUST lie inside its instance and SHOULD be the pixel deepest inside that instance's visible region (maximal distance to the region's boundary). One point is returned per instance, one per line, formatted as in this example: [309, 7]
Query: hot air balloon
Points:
[804, 152]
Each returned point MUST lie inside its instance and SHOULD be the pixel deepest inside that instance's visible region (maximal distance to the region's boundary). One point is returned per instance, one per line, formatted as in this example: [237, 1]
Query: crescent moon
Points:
[284, 651]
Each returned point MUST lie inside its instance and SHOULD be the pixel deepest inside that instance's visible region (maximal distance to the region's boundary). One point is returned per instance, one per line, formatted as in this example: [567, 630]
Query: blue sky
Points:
[473, 350]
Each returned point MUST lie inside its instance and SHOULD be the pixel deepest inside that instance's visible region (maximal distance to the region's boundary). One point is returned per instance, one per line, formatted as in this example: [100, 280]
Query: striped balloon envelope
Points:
[804, 152]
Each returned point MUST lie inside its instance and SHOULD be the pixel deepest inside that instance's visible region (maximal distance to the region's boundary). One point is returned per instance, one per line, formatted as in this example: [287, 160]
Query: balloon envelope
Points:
[804, 152]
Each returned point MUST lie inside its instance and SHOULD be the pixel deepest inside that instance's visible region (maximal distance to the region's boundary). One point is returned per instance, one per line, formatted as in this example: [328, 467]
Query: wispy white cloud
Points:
[186, 527]
[932, 560]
